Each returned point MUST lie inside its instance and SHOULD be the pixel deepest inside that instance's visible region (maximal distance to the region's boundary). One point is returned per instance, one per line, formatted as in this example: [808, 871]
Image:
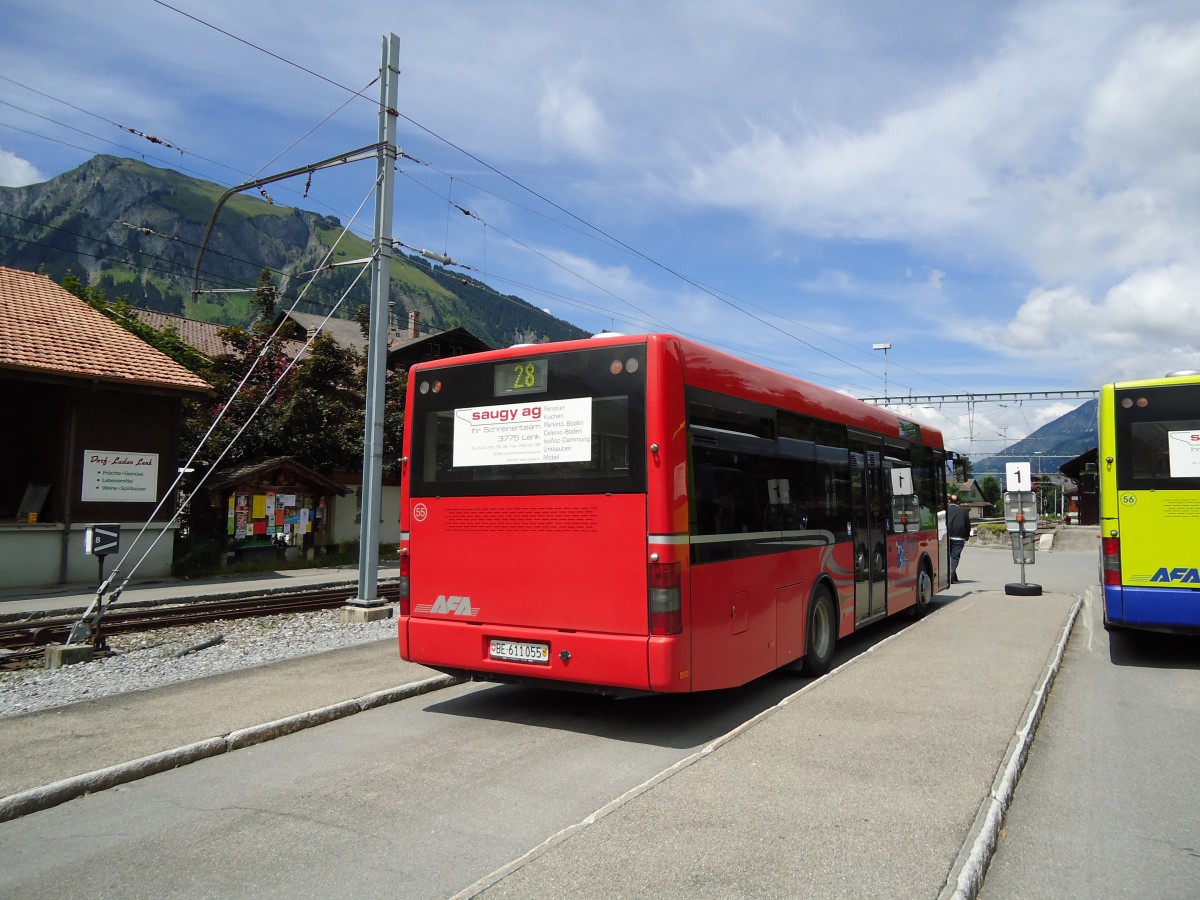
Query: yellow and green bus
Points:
[1149, 463]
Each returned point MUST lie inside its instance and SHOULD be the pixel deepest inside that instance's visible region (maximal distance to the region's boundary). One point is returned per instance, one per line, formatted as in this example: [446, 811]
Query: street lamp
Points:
[885, 348]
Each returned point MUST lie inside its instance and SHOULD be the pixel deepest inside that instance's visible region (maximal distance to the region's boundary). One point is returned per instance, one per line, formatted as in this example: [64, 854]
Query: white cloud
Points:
[584, 275]
[1000, 189]
[570, 121]
[17, 172]
[1074, 158]
[1141, 327]
[1143, 121]
[1132, 197]
[833, 281]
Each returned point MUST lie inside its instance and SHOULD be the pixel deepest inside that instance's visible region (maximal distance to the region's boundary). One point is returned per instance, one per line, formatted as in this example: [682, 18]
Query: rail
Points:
[23, 643]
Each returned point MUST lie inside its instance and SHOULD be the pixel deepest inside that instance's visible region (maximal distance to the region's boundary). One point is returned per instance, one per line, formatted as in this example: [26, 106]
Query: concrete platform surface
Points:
[888, 779]
[47, 746]
[884, 779]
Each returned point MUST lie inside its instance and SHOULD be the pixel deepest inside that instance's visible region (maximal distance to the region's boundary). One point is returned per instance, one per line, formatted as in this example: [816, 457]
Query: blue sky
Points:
[1008, 193]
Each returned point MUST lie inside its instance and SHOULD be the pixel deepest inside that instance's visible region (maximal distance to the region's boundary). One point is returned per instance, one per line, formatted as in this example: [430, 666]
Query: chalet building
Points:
[405, 348]
[410, 348]
[96, 431]
[971, 498]
[1083, 498]
[299, 326]
[95, 420]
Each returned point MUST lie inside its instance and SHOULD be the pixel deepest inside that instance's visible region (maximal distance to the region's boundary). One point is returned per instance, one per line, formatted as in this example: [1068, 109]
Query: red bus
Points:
[646, 514]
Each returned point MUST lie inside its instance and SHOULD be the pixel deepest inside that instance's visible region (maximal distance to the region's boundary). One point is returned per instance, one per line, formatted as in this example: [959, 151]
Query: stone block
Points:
[59, 655]
[352, 614]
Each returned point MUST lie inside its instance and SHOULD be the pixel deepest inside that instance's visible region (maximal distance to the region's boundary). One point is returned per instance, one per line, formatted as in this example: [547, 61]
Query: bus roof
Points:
[1186, 377]
[721, 372]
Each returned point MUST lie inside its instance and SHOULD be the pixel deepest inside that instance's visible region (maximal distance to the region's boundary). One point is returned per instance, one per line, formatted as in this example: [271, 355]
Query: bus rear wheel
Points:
[924, 593]
[821, 635]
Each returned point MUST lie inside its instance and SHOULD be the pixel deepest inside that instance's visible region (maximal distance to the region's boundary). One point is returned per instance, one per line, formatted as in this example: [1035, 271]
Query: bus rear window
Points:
[1158, 438]
[578, 426]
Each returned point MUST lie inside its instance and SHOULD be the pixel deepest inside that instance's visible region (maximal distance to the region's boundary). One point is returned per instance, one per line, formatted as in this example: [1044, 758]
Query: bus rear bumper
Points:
[607, 663]
[1175, 610]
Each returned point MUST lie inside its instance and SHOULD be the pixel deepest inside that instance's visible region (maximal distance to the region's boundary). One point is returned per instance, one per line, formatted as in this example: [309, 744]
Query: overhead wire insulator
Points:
[437, 257]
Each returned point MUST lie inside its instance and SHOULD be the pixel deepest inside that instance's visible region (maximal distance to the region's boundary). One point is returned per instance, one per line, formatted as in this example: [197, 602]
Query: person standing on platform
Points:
[958, 529]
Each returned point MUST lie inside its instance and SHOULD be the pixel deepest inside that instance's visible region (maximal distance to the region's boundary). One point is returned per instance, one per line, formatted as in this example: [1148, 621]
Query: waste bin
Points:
[1023, 547]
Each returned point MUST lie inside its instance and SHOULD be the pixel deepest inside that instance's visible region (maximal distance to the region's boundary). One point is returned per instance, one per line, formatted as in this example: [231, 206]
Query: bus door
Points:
[870, 538]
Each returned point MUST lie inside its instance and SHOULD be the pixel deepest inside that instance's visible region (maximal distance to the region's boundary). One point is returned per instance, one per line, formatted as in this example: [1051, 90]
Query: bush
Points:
[199, 556]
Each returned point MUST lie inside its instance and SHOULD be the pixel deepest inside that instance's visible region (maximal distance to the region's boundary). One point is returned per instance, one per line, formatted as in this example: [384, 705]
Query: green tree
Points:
[256, 363]
[965, 470]
[393, 424]
[990, 488]
[362, 315]
[318, 416]
[265, 296]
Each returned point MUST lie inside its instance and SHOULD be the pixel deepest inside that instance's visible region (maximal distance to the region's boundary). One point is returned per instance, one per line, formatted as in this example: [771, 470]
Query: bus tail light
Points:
[405, 602]
[666, 599]
[1110, 560]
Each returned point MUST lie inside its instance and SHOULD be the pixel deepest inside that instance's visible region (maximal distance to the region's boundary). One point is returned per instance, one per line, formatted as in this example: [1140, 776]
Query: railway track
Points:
[23, 643]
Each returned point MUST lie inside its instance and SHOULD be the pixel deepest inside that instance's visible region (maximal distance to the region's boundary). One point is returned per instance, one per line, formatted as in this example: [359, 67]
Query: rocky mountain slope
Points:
[133, 231]
[1049, 447]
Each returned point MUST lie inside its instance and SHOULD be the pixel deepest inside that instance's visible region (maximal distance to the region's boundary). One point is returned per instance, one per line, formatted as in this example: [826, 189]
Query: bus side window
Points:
[720, 508]
[723, 499]
[705, 499]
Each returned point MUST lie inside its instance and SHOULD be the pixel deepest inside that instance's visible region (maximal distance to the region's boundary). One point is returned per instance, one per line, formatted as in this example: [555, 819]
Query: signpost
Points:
[100, 541]
[1021, 520]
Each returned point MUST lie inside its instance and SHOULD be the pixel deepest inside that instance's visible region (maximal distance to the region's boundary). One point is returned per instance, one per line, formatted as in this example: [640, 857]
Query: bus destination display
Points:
[525, 376]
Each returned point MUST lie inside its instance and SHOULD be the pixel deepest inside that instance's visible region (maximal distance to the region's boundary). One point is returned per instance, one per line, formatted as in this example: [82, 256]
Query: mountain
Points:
[134, 231]
[1049, 447]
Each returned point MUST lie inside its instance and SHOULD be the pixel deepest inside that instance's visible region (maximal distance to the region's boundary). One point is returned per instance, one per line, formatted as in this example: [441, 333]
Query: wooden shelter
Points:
[275, 505]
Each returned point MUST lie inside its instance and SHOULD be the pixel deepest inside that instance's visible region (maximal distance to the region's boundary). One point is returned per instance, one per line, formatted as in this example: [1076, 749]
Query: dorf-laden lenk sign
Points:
[118, 476]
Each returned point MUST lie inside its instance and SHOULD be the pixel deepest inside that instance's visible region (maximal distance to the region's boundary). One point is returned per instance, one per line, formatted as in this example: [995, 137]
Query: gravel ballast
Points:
[157, 658]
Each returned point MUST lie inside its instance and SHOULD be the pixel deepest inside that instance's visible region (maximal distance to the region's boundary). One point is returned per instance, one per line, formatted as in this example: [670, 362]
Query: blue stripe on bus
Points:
[1149, 607]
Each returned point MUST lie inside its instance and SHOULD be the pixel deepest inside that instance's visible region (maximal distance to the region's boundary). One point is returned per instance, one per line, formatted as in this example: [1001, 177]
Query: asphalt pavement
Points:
[889, 777]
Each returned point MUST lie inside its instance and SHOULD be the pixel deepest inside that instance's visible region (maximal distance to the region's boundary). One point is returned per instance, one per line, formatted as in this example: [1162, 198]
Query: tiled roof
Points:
[45, 329]
[200, 336]
[282, 469]
[344, 332]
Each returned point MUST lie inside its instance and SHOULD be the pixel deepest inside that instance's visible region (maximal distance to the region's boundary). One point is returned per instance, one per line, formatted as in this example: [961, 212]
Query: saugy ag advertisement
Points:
[549, 431]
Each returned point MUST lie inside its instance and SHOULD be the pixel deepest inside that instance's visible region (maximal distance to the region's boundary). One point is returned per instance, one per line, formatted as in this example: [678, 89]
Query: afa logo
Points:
[1180, 575]
[458, 606]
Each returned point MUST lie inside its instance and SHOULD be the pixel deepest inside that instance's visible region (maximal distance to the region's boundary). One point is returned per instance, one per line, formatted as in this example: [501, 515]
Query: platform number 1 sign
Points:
[1017, 476]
